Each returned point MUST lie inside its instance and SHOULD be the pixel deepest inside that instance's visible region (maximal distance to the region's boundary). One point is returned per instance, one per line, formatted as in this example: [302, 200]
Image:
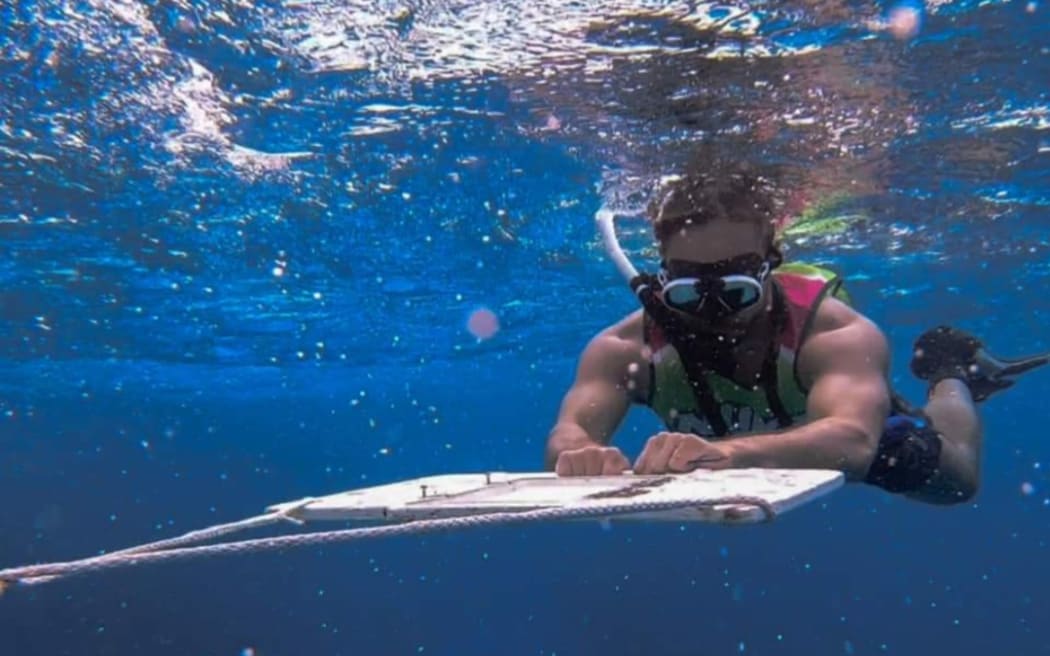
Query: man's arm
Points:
[599, 398]
[848, 402]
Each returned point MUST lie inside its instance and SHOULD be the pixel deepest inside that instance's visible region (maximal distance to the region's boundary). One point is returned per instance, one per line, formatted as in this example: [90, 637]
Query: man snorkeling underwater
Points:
[753, 362]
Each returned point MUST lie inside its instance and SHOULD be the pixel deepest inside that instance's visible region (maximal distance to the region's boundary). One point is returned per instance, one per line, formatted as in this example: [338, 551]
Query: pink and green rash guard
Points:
[744, 409]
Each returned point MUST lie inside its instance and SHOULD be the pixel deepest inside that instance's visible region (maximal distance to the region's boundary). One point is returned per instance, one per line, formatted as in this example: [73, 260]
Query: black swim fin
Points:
[946, 352]
[988, 362]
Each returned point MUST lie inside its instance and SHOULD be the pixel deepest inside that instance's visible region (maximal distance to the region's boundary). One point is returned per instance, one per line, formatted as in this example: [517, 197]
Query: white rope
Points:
[167, 550]
[196, 537]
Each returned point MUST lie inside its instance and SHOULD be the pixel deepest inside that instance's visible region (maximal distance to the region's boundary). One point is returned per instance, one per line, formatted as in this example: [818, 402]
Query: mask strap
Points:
[770, 378]
[775, 257]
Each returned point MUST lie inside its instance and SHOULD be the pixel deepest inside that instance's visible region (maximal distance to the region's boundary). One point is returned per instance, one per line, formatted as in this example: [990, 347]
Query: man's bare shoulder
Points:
[838, 330]
[623, 338]
[617, 354]
[629, 328]
[833, 314]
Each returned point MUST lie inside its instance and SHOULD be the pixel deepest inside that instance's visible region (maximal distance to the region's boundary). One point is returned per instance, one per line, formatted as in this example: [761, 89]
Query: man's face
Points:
[721, 240]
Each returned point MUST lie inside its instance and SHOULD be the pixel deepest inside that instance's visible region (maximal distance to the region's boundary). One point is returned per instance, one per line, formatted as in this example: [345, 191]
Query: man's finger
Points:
[684, 458]
[662, 456]
[647, 459]
[563, 467]
[614, 464]
[593, 467]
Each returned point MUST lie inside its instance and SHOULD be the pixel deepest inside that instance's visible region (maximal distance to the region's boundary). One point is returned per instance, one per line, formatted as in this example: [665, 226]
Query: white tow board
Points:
[459, 495]
[732, 496]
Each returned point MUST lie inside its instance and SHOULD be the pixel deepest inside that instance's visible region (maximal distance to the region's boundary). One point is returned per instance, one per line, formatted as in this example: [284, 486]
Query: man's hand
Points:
[592, 461]
[679, 453]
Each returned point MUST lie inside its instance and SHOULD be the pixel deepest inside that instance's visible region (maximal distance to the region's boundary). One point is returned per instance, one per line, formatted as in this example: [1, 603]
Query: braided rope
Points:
[195, 537]
[159, 552]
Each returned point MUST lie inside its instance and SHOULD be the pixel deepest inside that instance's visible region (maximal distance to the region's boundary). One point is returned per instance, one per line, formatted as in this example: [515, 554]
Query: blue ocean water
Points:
[240, 243]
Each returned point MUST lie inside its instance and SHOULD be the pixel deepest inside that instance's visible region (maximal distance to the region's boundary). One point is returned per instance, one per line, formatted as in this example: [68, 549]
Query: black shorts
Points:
[908, 456]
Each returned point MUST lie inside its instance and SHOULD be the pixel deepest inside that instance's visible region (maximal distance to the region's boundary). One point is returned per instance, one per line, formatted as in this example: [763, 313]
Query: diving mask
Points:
[714, 290]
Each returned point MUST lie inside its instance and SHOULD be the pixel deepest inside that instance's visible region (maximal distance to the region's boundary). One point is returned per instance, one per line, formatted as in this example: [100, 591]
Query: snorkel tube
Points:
[645, 285]
[604, 218]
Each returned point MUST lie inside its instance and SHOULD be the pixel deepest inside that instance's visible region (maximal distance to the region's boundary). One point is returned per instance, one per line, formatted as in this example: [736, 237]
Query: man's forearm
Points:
[565, 437]
[823, 444]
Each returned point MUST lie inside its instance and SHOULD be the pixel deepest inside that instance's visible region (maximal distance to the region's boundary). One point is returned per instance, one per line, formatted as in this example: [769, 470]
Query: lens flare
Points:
[904, 22]
[483, 323]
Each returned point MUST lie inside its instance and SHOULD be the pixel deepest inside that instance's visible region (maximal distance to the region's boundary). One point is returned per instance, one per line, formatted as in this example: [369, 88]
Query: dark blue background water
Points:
[156, 376]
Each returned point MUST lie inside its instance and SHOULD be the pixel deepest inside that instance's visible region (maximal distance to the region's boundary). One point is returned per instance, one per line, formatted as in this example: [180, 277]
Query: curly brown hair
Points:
[735, 194]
